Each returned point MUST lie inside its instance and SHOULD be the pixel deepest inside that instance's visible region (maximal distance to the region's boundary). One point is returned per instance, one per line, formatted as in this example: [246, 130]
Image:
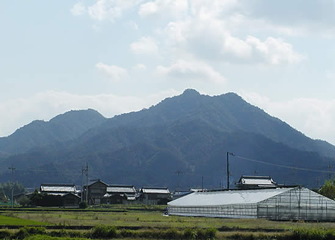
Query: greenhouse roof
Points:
[227, 197]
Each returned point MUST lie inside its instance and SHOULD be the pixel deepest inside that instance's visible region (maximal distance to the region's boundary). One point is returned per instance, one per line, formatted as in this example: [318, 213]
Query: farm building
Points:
[252, 182]
[293, 203]
[60, 195]
[96, 192]
[154, 196]
[120, 194]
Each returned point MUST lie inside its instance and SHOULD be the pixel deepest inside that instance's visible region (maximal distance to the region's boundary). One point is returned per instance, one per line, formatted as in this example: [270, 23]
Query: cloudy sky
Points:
[118, 56]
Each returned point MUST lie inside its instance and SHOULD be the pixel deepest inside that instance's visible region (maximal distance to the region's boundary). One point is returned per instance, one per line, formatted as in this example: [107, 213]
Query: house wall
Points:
[96, 191]
[70, 201]
[154, 198]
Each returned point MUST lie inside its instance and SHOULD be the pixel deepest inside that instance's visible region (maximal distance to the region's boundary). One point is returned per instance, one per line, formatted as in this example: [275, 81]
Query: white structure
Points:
[154, 196]
[58, 188]
[252, 182]
[278, 204]
[124, 194]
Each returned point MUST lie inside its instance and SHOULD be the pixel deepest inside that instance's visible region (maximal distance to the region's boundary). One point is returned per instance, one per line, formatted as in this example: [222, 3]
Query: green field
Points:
[7, 220]
[144, 223]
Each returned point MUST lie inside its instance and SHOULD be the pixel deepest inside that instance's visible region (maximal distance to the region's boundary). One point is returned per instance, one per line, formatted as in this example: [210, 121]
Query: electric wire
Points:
[284, 166]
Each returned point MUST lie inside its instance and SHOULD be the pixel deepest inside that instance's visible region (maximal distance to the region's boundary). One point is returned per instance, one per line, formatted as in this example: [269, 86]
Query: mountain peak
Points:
[190, 92]
[77, 115]
[61, 128]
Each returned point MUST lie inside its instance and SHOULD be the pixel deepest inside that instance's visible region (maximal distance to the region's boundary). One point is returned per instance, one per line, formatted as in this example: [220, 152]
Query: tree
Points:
[23, 201]
[35, 198]
[328, 189]
[6, 188]
[9, 188]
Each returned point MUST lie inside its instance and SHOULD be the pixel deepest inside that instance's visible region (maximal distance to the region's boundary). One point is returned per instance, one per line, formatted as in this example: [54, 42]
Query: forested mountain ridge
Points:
[189, 133]
[227, 112]
[61, 128]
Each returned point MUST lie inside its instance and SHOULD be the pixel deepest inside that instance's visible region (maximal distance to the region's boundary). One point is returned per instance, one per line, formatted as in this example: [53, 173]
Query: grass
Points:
[43, 237]
[7, 220]
[135, 218]
[154, 220]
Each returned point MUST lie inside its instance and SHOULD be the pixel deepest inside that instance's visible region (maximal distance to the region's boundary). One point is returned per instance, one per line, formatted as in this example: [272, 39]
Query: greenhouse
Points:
[294, 203]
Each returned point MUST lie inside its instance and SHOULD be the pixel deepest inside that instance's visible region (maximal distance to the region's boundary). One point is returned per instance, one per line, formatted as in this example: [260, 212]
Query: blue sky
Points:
[118, 56]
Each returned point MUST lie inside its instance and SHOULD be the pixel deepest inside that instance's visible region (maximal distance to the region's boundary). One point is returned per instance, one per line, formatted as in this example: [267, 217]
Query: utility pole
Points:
[82, 183]
[178, 183]
[84, 170]
[329, 173]
[86, 182]
[12, 185]
[232, 154]
[317, 182]
[202, 183]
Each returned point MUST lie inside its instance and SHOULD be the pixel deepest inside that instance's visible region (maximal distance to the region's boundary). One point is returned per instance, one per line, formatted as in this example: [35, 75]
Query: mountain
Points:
[227, 113]
[64, 127]
[189, 133]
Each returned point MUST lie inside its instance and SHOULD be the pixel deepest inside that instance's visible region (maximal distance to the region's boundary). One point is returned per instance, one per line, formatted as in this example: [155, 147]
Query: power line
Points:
[285, 166]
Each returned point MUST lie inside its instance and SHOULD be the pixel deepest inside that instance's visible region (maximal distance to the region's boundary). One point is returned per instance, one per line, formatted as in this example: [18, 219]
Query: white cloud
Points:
[211, 39]
[78, 9]
[274, 51]
[176, 8]
[314, 117]
[46, 105]
[140, 66]
[205, 9]
[236, 47]
[300, 18]
[133, 25]
[146, 45]
[110, 9]
[113, 72]
[192, 70]
[104, 9]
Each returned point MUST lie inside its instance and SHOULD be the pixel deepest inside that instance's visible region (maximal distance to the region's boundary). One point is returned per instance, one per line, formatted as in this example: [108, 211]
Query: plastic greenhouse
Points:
[293, 203]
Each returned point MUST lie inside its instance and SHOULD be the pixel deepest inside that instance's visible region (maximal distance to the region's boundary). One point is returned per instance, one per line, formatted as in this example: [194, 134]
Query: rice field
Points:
[141, 220]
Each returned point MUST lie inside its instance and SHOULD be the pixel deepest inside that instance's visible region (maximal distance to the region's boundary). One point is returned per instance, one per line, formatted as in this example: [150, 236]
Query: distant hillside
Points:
[189, 133]
[227, 112]
[64, 127]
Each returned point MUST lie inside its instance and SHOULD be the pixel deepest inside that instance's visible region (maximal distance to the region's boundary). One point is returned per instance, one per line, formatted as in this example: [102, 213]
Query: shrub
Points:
[59, 233]
[112, 232]
[190, 233]
[21, 234]
[36, 230]
[201, 233]
[102, 231]
[172, 234]
[83, 205]
[210, 233]
[126, 233]
[4, 234]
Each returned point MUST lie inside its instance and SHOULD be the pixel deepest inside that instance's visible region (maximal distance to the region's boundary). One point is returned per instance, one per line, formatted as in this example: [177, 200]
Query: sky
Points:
[118, 56]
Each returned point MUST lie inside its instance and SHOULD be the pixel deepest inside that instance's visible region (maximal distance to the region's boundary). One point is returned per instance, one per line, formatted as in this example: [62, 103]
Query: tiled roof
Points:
[120, 189]
[59, 188]
[156, 190]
